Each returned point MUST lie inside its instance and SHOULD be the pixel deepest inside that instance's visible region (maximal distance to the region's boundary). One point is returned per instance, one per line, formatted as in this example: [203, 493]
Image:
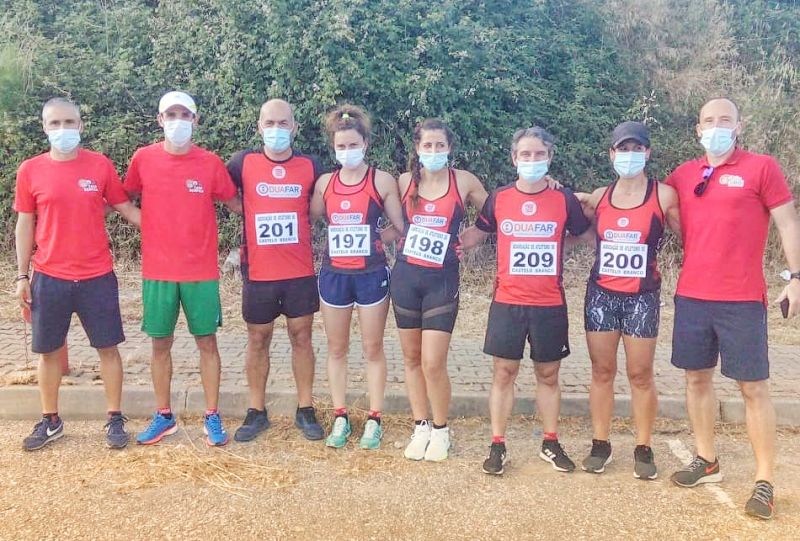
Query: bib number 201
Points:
[276, 228]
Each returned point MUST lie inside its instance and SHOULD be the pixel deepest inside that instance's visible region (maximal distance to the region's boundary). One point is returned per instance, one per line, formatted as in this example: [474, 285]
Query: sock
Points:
[51, 417]
[499, 439]
[165, 412]
[211, 411]
[340, 412]
[439, 427]
[420, 421]
[305, 408]
[551, 436]
[113, 413]
[375, 415]
[709, 461]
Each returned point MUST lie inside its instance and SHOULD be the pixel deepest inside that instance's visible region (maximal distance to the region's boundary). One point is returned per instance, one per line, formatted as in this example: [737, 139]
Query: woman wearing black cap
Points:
[623, 292]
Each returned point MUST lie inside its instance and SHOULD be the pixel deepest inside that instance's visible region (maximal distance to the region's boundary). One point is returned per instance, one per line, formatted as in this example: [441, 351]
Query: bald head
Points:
[276, 109]
[720, 107]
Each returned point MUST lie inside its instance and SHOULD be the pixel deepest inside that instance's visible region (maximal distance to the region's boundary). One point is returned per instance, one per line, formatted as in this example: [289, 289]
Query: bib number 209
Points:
[276, 228]
[426, 244]
[533, 258]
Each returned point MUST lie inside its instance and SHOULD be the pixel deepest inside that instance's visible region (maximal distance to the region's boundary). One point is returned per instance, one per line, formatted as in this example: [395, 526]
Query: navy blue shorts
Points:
[53, 301]
[633, 314]
[343, 290]
[263, 302]
[734, 331]
[545, 328]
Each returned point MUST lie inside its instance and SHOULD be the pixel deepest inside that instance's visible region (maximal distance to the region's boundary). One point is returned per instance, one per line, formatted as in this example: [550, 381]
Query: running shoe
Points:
[116, 437]
[255, 422]
[419, 441]
[696, 472]
[159, 427]
[339, 432]
[496, 461]
[553, 453]
[762, 503]
[306, 420]
[599, 457]
[644, 467]
[373, 433]
[43, 433]
[212, 427]
[439, 446]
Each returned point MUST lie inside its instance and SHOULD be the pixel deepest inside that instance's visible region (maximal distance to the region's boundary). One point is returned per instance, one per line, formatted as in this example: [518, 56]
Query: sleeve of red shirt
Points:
[224, 189]
[133, 182]
[774, 189]
[577, 222]
[23, 198]
[670, 180]
[114, 193]
[487, 221]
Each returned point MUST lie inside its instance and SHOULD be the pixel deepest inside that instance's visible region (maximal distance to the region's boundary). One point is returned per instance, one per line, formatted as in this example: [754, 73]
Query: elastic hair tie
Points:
[345, 116]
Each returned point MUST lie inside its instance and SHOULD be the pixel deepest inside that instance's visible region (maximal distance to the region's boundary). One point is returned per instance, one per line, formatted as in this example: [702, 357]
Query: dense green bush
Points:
[488, 68]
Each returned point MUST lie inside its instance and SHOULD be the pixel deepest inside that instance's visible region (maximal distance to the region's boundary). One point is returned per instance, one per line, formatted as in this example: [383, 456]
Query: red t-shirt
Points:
[530, 242]
[179, 221]
[725, 229]
[69, 198]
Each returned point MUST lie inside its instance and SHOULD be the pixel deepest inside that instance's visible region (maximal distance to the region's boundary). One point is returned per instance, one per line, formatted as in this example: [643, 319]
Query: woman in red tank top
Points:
[623, 292]
[353, 201]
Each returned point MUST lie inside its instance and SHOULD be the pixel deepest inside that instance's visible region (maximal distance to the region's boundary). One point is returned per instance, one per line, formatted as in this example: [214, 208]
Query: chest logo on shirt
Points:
[279, 191]
[346, 218]
[529, 208]
[732, 181]
[622, 236]
[194, 186]
[88, 185]
[430, 207]
[623, 222]
[528, 229]
[279, 172]
[429, 221]
[345, 204]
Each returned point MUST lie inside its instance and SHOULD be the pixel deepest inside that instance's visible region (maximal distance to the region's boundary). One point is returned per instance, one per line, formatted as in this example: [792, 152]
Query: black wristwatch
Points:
[794, 275]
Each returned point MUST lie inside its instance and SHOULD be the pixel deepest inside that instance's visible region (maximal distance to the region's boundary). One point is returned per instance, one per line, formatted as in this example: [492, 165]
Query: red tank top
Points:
[432, 228]
[353, 212]
[277, 230]
[627, 243]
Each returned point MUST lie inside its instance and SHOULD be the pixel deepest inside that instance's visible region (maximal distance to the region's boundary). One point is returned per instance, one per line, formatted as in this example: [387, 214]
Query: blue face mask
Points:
[717, 141]
[629, 164]
[350, 158]
[277, 139]
[64, 140]
[178, 132]
[433, 161]
[532, 171]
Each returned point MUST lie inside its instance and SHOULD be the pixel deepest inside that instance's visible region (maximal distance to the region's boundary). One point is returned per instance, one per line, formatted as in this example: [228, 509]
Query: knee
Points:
[259, 339]
[372, 350]
[603, 373]
[412, 359]
[699, 381]
[207, 344]
[162, 347]
[546, 375]
[641, 378]
[300, 338]
[434, 366]
[337, 351]
[505, 375]
[754, 391]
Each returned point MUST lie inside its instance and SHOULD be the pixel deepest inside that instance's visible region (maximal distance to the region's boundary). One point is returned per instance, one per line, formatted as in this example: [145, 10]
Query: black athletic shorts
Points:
[546, 329]
[263, 302]
[634, 314]
[735, 331]
[425, 298]
[54, 300]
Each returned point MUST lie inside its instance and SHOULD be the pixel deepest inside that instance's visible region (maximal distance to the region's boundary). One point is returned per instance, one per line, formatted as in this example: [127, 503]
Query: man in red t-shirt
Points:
[179, 183]
[60, 199]
[727, 198]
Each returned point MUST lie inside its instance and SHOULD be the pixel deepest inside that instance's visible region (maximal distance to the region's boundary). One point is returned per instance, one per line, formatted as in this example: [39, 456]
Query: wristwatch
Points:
[786, 275]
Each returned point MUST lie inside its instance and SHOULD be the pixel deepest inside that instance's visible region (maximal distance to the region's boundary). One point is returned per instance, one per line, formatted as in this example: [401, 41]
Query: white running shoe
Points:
[439, 444]
[419, 442]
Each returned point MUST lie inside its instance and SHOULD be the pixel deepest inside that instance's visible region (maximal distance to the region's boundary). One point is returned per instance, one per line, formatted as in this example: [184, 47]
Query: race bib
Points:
[426, 244]
[534, 258]
[348, 240]
[625, 260]
[276, 228]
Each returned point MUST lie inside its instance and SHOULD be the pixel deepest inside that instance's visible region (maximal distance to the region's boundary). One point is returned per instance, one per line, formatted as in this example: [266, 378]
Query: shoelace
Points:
[214, 423]
[419, 431]
[696, 464]
[763, 493]
[339, 425]
[116, 422]
[41, 427]
[370, 429]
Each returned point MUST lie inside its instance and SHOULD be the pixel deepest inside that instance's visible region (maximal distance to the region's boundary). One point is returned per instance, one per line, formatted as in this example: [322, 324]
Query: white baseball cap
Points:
[177, 98]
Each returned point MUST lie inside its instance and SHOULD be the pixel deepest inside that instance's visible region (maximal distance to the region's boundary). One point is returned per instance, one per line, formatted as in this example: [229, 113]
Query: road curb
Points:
[88, 402]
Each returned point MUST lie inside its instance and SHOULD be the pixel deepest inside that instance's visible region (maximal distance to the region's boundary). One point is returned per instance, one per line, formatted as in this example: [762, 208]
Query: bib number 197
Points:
[348, 240]
[426, 244]
[276, 228]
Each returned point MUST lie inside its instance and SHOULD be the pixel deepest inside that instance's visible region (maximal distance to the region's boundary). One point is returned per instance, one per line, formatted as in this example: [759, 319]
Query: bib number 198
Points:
[426, 244]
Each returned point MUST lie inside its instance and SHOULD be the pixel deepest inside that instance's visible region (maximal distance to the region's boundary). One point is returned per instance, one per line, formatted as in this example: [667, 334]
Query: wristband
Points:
[22, 277]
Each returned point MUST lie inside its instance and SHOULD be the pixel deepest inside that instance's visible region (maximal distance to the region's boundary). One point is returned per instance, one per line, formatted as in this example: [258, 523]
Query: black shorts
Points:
[634, 314]
[546, 328]
[54, 300]
[263, 302]
[343, 290]
[734, 331]
[425, 298]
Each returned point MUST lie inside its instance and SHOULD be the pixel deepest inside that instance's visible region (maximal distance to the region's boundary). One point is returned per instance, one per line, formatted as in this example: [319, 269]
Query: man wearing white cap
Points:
[179, 183]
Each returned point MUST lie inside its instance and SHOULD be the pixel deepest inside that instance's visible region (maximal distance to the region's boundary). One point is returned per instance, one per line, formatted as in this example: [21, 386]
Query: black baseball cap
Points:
[628, 131]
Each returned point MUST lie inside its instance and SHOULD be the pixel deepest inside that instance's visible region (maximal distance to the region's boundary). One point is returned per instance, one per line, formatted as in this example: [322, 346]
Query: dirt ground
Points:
[283, 487]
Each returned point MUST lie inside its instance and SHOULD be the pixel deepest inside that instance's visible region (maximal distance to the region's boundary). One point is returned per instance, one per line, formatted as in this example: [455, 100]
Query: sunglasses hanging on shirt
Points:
[703, 184]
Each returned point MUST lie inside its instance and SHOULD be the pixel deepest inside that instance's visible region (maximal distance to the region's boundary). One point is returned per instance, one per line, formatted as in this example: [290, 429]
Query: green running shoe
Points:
[339, 434]
[373, 432]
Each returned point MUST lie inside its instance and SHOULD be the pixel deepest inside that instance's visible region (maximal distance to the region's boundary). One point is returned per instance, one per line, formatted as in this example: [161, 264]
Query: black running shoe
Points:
[762, 502]
[598, 458]
[696, 472]
[43, 433]
[553, 453]
[497, 459]
[116, 437]
[255, 422]
[306, 420]
[644, 466]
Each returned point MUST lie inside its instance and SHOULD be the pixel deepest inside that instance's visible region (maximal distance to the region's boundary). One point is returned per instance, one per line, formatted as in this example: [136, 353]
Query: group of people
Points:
[719, 205]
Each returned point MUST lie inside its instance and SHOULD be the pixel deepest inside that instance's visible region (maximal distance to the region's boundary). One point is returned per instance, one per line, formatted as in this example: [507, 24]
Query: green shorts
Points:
[162, 300]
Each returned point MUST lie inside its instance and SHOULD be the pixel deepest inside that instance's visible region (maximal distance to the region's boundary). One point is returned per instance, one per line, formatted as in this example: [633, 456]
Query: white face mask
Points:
[64, 140]
[178, 132]
[350, 158]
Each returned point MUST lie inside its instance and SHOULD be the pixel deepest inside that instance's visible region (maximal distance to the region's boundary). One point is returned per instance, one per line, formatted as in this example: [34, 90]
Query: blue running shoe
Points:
[159, 427]
[255, 422]
[116, 437]
[212, 426]
[306, 420]
[45, 431]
